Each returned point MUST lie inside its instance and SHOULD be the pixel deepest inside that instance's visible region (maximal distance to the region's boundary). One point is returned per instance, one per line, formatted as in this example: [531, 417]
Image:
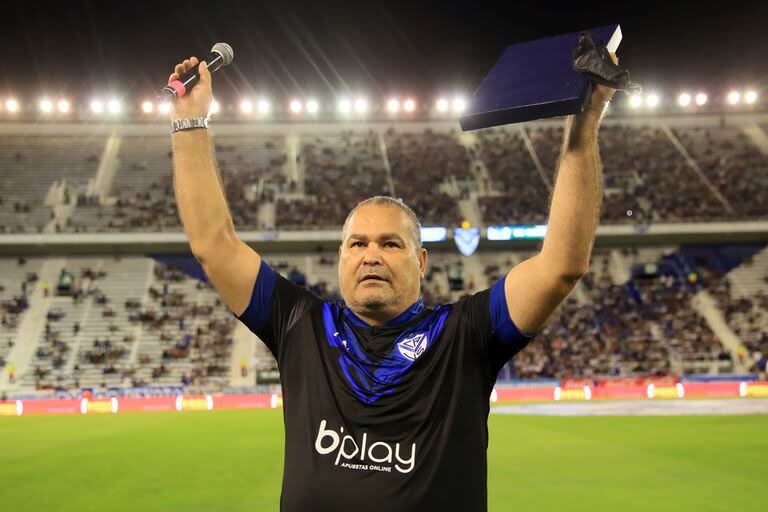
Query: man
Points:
[386, 401]
[11, 373]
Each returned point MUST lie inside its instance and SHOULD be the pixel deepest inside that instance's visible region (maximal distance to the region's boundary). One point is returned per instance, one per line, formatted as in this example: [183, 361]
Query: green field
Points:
[231, 461]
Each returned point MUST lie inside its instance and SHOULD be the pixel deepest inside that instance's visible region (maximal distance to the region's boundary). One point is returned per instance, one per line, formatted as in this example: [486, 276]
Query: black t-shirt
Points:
[383, 418]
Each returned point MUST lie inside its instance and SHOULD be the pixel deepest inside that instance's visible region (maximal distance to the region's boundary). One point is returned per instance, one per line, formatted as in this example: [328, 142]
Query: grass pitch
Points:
[232, 461]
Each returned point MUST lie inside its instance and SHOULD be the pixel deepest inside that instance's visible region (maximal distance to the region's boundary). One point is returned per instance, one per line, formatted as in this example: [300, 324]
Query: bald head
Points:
[414, 226]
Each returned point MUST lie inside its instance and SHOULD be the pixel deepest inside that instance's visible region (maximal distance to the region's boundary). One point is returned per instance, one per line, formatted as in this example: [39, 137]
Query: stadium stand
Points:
[144, 322]
[131, 321]
[647, 179]
[431, 161]
[734, 166]
[523, 195]
[136, 320]
[653, 174]
[742, 296]
[141, 196]
[39, 171]
[18, 277]
[338, 171]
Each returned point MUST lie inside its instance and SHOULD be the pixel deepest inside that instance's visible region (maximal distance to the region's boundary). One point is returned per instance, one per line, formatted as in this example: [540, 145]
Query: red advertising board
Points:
[142, 404]
[607, 389]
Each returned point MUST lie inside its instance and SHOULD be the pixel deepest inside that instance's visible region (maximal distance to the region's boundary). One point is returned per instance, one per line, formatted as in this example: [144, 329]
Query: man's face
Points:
[379, 267]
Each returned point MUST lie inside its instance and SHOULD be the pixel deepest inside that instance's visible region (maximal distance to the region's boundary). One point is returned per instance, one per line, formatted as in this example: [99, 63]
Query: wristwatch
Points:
[189, 123]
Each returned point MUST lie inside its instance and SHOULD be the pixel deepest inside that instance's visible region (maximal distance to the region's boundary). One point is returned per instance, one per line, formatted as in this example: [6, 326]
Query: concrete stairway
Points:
[706, 305]
[758, 136]
[243, 348]
[746, 279]
[108, 164]
[619, 268]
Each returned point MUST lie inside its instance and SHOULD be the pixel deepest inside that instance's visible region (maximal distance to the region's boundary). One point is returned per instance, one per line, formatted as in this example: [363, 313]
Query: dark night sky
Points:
[78, 48]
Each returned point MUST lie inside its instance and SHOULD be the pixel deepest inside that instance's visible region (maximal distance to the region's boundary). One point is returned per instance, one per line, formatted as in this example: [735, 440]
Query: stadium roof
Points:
[301, 48]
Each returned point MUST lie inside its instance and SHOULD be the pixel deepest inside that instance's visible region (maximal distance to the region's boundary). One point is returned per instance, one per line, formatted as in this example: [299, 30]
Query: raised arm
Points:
[536, 287]
[228, 262]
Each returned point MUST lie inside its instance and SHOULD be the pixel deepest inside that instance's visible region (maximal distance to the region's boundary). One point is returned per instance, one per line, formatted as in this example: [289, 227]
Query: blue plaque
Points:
[534, 80]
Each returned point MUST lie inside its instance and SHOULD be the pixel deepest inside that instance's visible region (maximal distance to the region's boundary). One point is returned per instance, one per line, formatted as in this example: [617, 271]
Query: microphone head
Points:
[226, 52]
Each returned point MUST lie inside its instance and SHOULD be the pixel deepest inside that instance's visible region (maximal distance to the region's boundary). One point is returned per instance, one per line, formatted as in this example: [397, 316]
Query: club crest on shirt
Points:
[413, 346]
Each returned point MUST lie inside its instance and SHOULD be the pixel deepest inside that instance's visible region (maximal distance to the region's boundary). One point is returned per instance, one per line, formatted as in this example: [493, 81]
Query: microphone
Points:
[221, 55]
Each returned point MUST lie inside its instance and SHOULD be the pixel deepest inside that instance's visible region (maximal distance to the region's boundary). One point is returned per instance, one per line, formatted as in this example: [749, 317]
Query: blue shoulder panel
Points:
[256, 314]
[503, 326]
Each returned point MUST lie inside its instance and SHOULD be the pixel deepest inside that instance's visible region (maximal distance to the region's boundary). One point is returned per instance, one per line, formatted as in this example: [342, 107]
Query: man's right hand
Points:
[231, 265]
[197, 101]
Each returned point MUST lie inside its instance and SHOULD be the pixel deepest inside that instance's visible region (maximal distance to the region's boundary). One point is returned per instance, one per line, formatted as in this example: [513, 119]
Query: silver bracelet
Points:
[189, 123]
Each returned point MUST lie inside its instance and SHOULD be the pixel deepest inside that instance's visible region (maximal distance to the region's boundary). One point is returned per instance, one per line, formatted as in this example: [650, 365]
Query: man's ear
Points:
[423, 257]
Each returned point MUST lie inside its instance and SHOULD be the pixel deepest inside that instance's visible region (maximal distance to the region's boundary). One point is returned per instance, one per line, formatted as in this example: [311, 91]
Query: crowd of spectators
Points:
[746, 315]
[13, 303]
[196, 335]
[734, 166]
[248, 182]
[547, 142]
[668, 302]
[646, 178]
[49, 368]
[635, 328]
[645, 326]
[515, 192]
[339, 172]
[431, 171]
[749, 318]
[252, 177]
[188, 330]
[606, 336]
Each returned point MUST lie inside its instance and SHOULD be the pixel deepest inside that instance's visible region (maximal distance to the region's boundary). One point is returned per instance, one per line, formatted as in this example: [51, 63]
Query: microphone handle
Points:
[188, 80]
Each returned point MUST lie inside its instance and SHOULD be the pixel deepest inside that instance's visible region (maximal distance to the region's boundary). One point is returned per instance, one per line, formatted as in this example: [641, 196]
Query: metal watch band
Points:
[189, 123]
